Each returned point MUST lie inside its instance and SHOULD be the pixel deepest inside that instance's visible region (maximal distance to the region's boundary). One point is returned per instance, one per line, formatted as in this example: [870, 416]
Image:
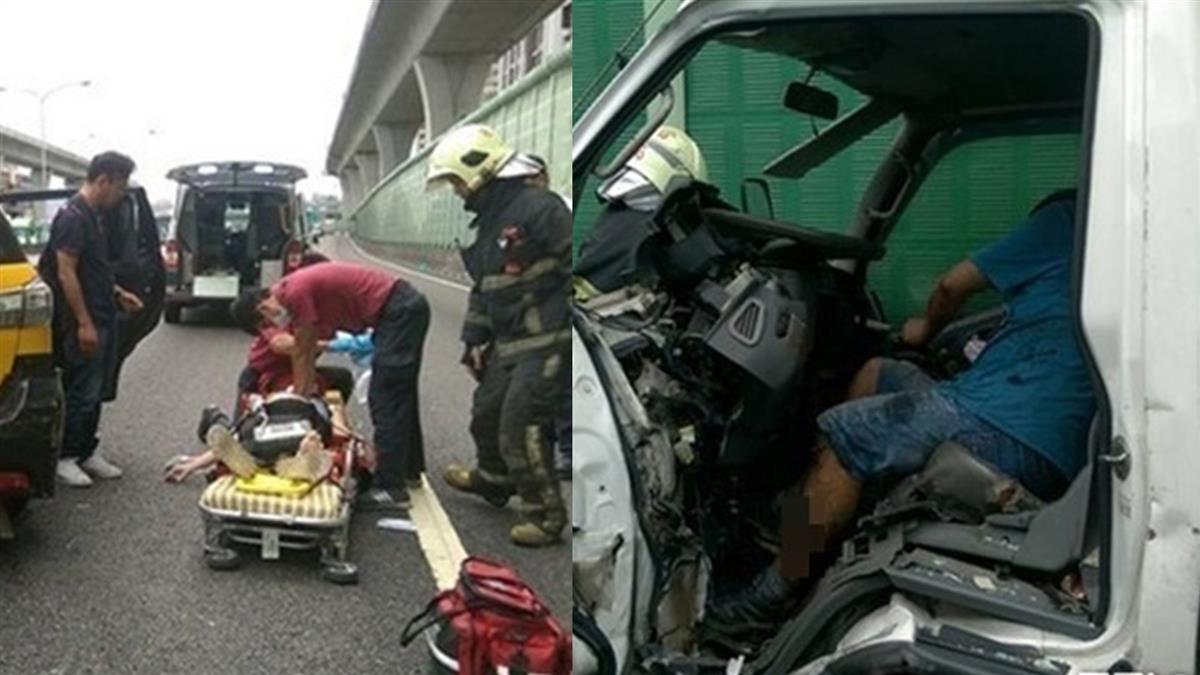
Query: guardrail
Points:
[423, 226]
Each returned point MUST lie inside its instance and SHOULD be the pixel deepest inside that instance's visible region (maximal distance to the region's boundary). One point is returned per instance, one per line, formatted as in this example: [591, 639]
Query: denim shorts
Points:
[893, 433]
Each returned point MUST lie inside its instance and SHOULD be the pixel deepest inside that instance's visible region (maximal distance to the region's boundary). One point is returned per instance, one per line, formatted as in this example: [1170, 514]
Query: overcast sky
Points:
[185, 80]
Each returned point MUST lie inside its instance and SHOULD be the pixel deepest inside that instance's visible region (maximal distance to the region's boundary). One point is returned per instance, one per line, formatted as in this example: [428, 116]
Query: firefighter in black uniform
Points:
[609, 257]
[539, 175]
[517, 331]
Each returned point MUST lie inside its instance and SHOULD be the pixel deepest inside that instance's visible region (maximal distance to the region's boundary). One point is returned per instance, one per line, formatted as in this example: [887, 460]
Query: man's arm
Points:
[182, 466]
[304, 357]
[68, 264]
[550, 232]
[949, 294]
[129, 301]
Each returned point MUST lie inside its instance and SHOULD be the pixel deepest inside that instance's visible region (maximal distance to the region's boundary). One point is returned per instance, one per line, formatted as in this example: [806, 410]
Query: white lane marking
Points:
[439, 541]
[406, 270]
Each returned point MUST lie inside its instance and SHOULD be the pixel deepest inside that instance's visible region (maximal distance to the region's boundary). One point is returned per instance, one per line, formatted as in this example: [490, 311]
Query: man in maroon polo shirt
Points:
[319, 300]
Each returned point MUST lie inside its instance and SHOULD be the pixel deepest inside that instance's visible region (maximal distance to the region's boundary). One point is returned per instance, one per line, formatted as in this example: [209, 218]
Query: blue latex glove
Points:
[360, 347]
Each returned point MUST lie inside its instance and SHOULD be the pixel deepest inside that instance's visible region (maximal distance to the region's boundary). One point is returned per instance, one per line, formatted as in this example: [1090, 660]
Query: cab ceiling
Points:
[955, 63]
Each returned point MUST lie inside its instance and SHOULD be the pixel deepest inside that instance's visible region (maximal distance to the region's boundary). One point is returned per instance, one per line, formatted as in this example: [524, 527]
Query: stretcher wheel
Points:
[222, 559]
[341, 573]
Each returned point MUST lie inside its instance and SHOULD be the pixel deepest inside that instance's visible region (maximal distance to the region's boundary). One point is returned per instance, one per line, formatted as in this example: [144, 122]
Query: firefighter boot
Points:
[493, 488]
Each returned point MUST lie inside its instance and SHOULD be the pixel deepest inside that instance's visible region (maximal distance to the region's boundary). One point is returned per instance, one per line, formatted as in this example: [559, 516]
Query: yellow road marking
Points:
[439, 541]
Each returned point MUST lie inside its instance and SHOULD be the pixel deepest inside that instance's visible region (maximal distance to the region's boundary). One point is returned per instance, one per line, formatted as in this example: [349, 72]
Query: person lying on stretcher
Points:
[269, 364]
[283, 433]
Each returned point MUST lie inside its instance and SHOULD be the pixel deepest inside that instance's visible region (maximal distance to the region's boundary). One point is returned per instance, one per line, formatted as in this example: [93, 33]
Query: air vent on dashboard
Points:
[747, 325]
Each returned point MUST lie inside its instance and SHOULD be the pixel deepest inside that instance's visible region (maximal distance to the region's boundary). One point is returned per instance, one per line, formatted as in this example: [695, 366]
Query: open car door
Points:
[135, 251]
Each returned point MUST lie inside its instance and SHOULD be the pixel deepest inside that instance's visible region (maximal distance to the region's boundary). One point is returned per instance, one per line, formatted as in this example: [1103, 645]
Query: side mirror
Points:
[756, 198]
[809, 100]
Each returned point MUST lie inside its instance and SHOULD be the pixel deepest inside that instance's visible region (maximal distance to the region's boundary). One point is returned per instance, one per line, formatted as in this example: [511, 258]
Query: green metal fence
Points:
[604, 27]
[733, 111]
[976, 194]
[533, 116]
[735, 115]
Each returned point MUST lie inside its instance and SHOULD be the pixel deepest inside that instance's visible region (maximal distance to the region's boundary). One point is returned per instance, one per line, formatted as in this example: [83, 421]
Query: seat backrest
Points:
[1064, 531]
[1055, 536]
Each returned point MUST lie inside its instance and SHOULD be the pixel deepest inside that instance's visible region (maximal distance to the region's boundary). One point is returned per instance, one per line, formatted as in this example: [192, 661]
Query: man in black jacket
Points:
[517, 332]
[610, 256]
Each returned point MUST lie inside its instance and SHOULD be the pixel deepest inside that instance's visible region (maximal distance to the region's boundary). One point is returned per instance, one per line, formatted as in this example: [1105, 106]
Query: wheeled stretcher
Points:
[272, 513]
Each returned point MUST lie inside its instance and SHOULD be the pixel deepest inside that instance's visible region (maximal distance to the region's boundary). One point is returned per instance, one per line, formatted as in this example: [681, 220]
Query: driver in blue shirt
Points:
[1024, 405]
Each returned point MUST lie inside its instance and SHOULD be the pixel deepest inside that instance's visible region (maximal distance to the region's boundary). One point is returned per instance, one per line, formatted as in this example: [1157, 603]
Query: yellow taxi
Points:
[31, 395]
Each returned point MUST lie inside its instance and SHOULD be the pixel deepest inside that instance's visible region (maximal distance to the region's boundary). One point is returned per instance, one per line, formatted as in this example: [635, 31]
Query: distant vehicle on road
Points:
[163, 220]
[236, 226]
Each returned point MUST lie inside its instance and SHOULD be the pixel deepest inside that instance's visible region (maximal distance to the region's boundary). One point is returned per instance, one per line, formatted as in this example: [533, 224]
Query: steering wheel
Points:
[807, 243]
[942, 356]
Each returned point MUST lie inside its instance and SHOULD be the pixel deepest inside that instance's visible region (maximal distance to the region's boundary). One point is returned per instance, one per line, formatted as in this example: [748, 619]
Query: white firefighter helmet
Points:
[473, 153]
[668, 154]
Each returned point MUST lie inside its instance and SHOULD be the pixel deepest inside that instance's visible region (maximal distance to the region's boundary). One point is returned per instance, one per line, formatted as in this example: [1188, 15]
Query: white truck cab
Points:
[685, 384]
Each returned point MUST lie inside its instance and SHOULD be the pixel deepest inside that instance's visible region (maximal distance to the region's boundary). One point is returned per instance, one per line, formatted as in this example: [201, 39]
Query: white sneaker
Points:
[101, 468]
[68, 472]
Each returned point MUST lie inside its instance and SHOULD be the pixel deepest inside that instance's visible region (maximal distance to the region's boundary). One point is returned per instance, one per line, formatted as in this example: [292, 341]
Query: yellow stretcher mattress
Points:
[323, 503]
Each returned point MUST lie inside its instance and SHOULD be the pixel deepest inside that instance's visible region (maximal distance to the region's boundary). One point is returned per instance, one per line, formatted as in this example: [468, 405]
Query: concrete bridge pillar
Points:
[348, 201]
[393, 143]
[368, 166]
[352, 180]
[451, 86]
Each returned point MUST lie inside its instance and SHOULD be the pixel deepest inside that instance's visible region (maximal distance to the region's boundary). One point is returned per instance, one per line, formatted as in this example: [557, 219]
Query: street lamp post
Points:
[41, 97]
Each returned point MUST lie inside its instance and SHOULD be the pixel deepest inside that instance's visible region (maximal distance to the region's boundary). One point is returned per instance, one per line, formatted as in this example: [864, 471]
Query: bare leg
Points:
[815, 511]
[866, 381]
[338, 415]
[814, 514]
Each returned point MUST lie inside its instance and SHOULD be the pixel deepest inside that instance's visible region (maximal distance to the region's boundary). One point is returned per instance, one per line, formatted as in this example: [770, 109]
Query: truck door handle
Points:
[1118, 458]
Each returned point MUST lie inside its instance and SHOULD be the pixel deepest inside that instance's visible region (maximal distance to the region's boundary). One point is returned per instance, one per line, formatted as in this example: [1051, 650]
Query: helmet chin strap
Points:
[648, 201]
[632, 189]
